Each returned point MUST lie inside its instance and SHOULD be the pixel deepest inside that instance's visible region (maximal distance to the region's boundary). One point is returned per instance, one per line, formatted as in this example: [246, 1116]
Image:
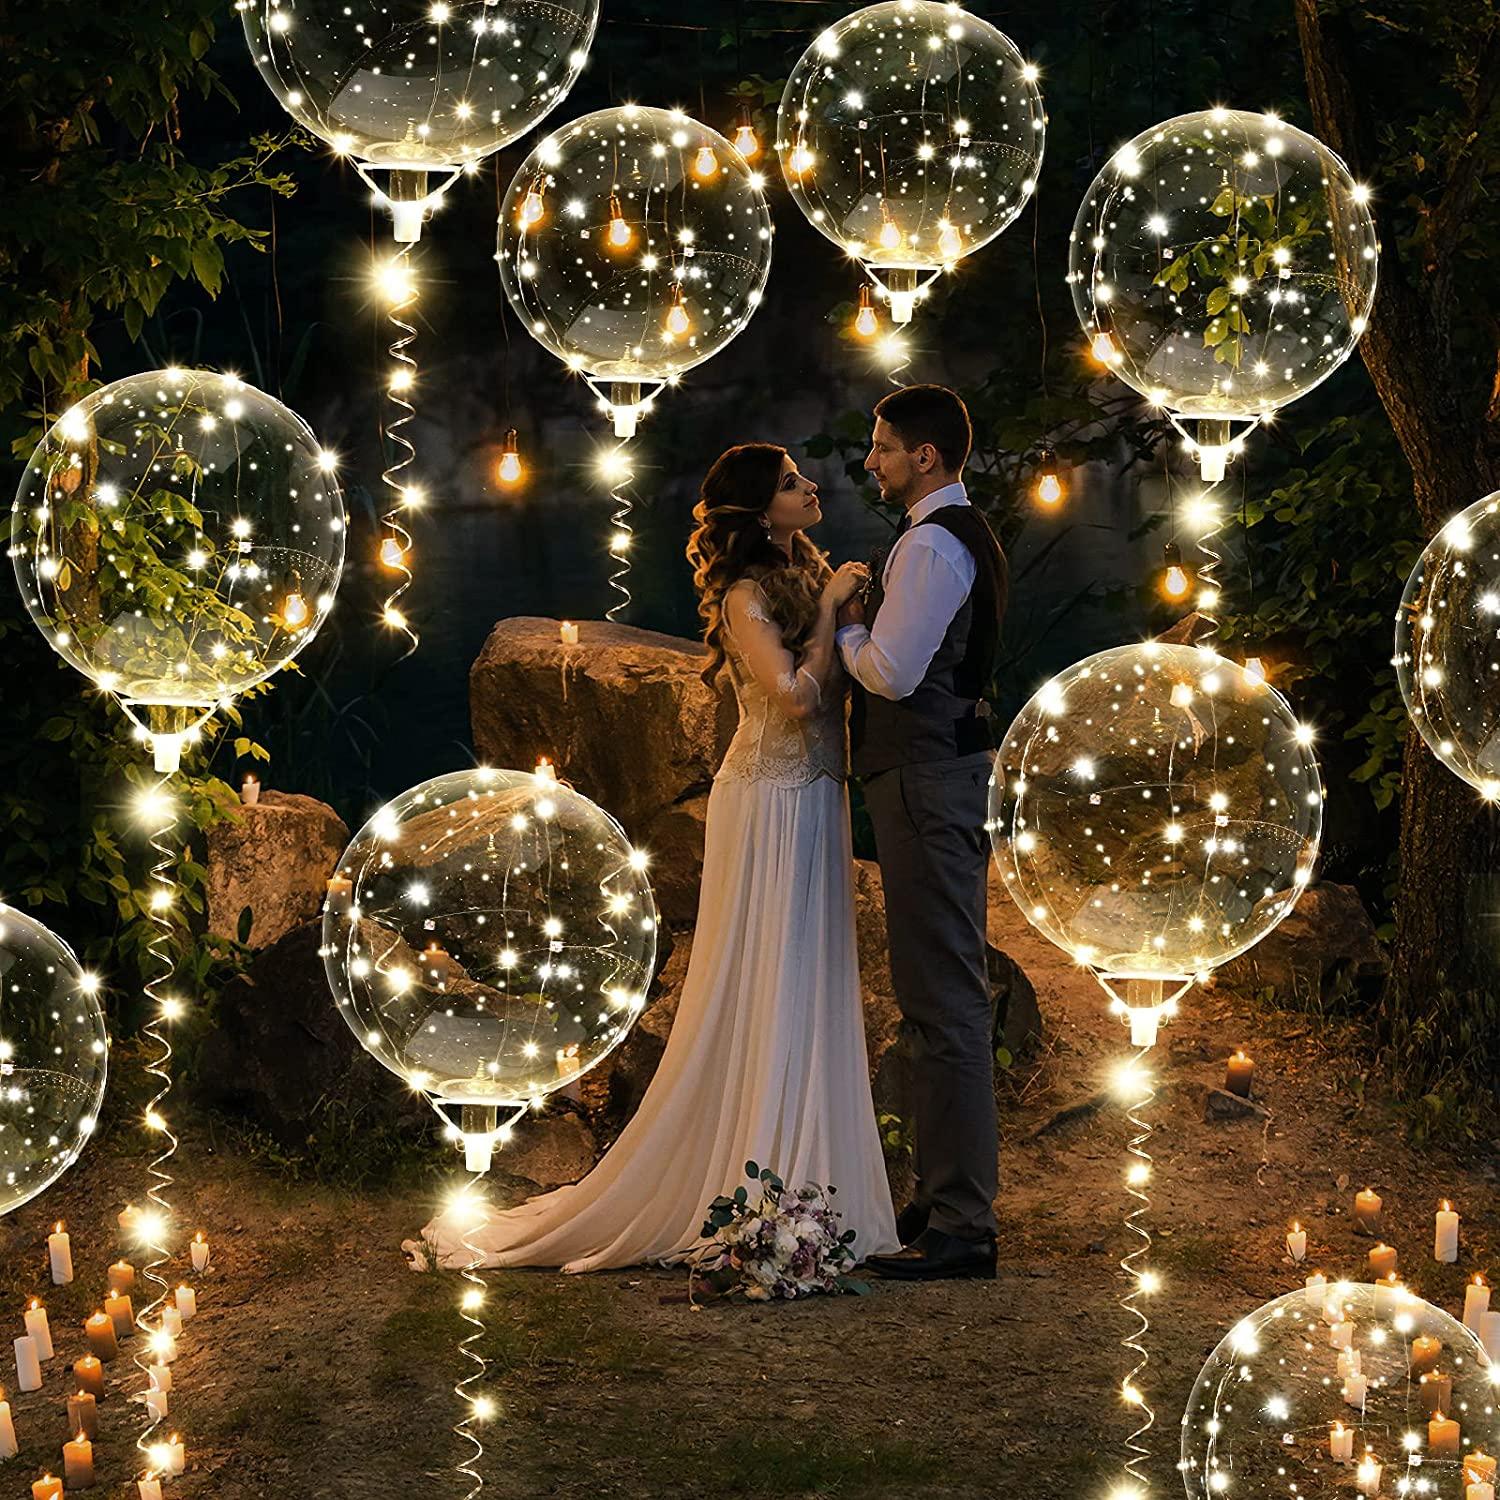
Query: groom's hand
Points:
[852, 612]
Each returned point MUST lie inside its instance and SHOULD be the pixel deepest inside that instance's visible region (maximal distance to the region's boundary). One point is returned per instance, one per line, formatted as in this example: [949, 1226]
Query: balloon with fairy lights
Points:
[634, 243]
[178, 536]
[1223, 264]
[1369, 1390]
[414, 90]
[489, 936]
[1155, 811]
[1448, 645]
[910, 133]
[54, 1055]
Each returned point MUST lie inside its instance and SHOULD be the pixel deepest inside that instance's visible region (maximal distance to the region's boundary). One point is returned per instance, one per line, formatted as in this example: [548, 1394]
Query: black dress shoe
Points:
[935, 1256]
[911, 1221]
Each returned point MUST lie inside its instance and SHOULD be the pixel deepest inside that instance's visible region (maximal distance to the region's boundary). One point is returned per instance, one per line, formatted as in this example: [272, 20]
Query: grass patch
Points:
[269, 1413]
[1194, 1253]
[545, 1321]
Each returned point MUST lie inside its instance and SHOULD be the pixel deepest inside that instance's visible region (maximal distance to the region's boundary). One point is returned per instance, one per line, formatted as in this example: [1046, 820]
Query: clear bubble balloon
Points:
[1223, 264]
[416, 84]
[1156, 810]
[489, 936]
[54, 1054]
[1448, 645]
[1322, 1396]
[634, 244]
[911, 134]
[177, 537]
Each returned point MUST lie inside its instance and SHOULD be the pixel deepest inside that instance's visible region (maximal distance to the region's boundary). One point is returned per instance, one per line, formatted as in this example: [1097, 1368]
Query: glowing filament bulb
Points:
[1049, 489]
[510, 459]
[705, 163]
[392, 554]
[950, 242]
[746, 142]
[678, 322]
[532, 207]
[619, 234]
[890, 235]
[294, 613]
[1175, 582]
[865, 322]
[1103, 349]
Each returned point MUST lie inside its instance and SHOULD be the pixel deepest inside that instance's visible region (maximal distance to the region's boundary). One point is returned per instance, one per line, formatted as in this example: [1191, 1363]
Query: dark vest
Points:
[945, 716]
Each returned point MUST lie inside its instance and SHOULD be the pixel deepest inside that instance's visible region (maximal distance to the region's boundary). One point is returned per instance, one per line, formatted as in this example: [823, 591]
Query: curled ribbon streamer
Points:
[391, 475]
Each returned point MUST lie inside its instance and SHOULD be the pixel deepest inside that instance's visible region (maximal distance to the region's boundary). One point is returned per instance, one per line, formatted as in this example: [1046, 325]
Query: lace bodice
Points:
[789, 736]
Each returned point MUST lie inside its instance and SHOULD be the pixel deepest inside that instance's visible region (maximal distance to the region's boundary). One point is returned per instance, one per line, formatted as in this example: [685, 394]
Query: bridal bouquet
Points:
[786, 1243]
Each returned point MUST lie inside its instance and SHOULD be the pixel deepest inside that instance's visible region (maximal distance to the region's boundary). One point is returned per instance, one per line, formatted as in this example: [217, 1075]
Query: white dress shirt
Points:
[927, 577]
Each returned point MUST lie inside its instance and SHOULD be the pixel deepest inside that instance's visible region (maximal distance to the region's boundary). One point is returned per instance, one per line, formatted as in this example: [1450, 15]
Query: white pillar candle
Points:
[171, 1320]
[199, 1250]
[1341, 1335]
[1349, 1363]
[1367, 1475]
[568, 633]
[127, 1220]
[1341, 1442]
[1445, 1239]
[1296, 1243]
[28, 1364]
[1383, 1260]
[1316, 1289]
[187, 1302]
[39, 1329]
[1442, 1437]
[60, 1255]
[160, 1377]
[1367, 1205]
[1476, 1303]
[1354, 1390]
[156, 1405]
[1333, 1310]
[150, 1487]
[9, 1447]
[1489, 1334]
[176, 1457]
[1479, 1491]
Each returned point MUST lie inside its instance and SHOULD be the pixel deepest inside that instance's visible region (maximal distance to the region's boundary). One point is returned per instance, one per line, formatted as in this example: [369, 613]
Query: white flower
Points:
[786, 1242]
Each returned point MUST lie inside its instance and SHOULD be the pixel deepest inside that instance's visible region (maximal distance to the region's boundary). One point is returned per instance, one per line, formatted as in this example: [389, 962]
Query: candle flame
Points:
[1447, 1206]
[1478, 1279]
[57, 1228]
[36, 1302]
[1296, 1227]
[198, 1238]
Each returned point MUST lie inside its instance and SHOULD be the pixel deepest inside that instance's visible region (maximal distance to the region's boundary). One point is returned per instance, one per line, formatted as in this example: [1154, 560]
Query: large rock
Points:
[274, 859]
[549, 1150]
[626, 718]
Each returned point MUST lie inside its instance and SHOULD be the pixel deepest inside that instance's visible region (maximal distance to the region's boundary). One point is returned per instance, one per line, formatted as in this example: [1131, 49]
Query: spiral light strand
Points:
[619, 474]
[477, 1407]
[1137, 1175]
[400, 288]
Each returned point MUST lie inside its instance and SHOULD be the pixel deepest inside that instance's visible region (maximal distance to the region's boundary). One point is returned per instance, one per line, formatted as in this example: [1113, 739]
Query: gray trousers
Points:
[934, 858]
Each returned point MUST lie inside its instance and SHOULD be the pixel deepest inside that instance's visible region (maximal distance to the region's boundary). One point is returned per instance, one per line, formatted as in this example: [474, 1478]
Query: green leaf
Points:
[1218, 300]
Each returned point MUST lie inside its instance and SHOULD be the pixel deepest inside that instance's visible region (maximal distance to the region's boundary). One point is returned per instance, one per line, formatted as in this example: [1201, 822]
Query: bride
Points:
[766, 1057]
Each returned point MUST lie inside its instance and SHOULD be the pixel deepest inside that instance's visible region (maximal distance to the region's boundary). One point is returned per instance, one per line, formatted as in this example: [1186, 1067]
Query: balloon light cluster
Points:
[1223, 264]
[910, 134]
[489, 936]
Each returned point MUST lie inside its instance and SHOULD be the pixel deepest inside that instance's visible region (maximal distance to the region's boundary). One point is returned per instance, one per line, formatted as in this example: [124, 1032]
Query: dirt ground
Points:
[320, 1366]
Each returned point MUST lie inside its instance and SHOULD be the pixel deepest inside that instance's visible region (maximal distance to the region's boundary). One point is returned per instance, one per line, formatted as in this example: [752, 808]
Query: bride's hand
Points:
[850, 580]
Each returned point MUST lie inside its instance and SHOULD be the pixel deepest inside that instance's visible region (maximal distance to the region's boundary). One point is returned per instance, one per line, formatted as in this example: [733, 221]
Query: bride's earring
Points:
[765, 521]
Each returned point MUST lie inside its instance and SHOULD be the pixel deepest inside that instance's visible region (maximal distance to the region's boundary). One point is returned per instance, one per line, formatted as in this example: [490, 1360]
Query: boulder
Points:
[626, 719]
[548, 1150]
[273, 860]
[1326, 942]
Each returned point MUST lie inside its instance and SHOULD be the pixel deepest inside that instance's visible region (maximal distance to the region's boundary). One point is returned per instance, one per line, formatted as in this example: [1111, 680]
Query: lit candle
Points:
[568, 633]
[1445, 1239]
[83, 1414]
[150, 1487]
[1387, 1291]
[119, 1311]
[1341, 1335]
[1296, 1243]
[9, 1447]
[1238, 1074]
[1437, 1392]
[128, 1217]
[436, 963]
[78, 1463]
[1442, 1437]
[60, 1254]
[161, 1377]
[568, 1061]
[1479, 1468]
[338, 885]
[156, 1404]
[1489, 1334]
[1355, 1386]
[1341, 1442]
[1383, 1260]
[1479, 1490]
[250, 789]
[1367, 1475]
[1349, 1363]
[122, 1277]
[176, 1457]
[1316, 1289]
[39, 1329]
[47, 1488]
[89, 1374]
[101, 1335]
[199, 1247]
[171, 1321]
[187, 1302]
[1334, 1308]
[1476, 1303]
[1367, 1211]
[1425, 1353]
[28, 1364]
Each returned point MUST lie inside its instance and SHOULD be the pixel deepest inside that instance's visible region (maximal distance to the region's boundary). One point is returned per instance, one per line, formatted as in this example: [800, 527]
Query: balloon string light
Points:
[399, 287]
[1136, 1084]
[478, 1407]
[614, 465]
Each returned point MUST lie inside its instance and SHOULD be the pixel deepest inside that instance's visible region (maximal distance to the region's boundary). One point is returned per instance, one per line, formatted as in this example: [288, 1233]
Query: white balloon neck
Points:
[1145, 1020]
[903, 306]
[479, 1152]
[1212, 461]
[166, 752]
[407, 219]
[626, 419]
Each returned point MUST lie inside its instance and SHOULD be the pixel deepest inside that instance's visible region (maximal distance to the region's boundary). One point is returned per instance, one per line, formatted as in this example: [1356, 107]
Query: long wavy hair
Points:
[730, 543]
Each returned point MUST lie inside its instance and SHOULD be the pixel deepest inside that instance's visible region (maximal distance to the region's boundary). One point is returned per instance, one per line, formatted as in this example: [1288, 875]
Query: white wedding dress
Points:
[766, 1058]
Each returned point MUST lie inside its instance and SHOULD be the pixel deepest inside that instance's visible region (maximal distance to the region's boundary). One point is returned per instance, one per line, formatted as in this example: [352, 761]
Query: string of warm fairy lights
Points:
[398, 286]
[1134, 1083]
[615, 466]
[479, 1407]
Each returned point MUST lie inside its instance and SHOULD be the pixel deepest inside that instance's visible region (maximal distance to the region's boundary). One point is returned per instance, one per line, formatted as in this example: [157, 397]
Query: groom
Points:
[921, 653]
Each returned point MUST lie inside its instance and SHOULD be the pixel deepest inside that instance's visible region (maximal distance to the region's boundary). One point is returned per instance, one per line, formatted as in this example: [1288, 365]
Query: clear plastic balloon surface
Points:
[490, 935]
[54, 1053]
[1448, 645]
[1224, 263]
[1368, 1391]
[634, 244]
[911, 133]
[178, 536]
[412, 83]
[1156, 810]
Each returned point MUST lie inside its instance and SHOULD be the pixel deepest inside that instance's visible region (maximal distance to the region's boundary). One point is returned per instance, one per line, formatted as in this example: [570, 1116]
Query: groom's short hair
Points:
[933, 414]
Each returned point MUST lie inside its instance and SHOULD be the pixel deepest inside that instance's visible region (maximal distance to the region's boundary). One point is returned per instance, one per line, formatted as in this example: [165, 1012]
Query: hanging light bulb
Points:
[950, 241]
[890, 235]
[1175, 581]
[865, 322]
[746, 142]
[1255, 670]
[294, 611]
[801, 161]
[392, 554]
[705, 163]
[619, 234]
[1103, 349]
[532, 207]
[678, 322]
[510, 459]
[1049, 488]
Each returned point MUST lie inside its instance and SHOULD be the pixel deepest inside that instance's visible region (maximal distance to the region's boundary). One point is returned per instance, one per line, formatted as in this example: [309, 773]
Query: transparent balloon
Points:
[1223, 264]
[911, 134]
[54, 1054]
[634, 244]
[1448, 645]
[489, 936]
[1330, 1396]
[1156, 810]
[178, 536]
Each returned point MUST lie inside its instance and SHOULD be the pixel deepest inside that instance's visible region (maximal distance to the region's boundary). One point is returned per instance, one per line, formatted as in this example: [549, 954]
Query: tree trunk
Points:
[1445, 430]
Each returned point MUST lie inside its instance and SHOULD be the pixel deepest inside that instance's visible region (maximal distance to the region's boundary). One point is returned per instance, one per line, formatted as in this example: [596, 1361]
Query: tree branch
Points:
[1467, 168]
